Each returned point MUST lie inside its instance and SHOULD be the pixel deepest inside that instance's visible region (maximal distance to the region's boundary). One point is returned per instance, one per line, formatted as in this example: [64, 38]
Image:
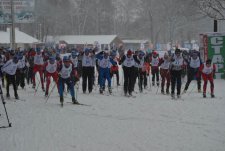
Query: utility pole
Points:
[215, 25]
[12, 33]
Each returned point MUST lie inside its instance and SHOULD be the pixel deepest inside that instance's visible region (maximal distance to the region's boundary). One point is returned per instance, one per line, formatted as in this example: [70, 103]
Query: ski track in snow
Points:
[115, 123]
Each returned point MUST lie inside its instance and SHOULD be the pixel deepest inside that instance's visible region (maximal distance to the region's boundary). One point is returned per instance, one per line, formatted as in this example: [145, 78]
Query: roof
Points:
[214, 33]
[20, 37]
[135, 41]
[83, 39]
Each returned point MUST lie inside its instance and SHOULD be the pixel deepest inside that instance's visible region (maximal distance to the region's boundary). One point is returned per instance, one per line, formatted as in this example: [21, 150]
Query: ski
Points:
[15, 100]
[130, 96]
[5, 126]
[78, 104]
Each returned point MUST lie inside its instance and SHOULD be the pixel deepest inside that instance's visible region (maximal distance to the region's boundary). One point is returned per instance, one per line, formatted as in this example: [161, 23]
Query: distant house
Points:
[85, 40]
[22, 39]
[136, 44]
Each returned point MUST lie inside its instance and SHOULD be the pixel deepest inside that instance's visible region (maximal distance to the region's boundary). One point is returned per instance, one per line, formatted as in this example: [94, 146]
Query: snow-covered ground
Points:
[115, 123]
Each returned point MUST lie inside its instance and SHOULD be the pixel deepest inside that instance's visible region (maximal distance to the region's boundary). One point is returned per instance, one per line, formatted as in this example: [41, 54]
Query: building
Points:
[22, 39]
[84, 40]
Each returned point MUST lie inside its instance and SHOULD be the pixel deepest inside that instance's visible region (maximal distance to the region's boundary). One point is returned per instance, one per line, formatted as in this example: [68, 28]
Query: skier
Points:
[128, 62]
[2, 62]
[105, 63]
[136, 73]
[208, 72]
[20, 73]
[194, 64]
[74, 60]
[142, 71]
[66, 76]
[155, 68]
[51, 67]
[176, 67]
[164, 64]
[30, 64]
[115, 68]
[10, 68]
[88, 62]
[38, 67]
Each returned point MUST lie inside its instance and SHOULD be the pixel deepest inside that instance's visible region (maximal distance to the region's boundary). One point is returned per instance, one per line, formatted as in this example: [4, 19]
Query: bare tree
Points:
[213, 8]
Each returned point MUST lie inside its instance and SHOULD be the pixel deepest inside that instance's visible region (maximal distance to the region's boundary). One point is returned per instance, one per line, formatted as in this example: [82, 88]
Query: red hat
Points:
[155, 53]
[129, 52]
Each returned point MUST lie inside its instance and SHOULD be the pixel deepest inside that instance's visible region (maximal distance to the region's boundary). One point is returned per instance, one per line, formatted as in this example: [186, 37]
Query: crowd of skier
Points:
[88, 64]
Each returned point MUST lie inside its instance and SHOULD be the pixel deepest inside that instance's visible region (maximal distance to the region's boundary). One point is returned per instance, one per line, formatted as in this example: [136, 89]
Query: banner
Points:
[216, 52]
[23, 11]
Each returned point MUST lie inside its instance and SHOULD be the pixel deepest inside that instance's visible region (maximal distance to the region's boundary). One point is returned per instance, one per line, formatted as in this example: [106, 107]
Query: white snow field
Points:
[149, 122]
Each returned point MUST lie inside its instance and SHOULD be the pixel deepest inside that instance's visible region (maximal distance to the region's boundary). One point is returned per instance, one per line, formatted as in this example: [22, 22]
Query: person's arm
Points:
[136, 59]
[122, 59]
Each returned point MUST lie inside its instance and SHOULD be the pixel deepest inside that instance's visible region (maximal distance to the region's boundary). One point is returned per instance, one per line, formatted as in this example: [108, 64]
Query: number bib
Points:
[65, 72]
[51, 68]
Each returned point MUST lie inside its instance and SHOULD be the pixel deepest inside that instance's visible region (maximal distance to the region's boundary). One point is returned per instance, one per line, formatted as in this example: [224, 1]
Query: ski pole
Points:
[192, 89]
[150, 84]
[50, 92]
[3, 102]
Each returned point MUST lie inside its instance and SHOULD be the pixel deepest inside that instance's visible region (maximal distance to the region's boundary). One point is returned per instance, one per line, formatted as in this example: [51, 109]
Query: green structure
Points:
[213, 47]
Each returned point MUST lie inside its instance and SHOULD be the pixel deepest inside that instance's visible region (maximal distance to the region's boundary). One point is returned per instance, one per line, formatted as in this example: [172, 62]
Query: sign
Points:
[23, 11]
[216, 51]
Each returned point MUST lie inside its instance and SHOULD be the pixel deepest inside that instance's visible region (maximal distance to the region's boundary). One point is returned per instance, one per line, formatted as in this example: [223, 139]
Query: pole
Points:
[215, 25]
[3, 102]
[12, 33]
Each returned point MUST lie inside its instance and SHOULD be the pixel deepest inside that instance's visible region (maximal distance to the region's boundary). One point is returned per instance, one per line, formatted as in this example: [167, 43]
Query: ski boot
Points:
[43, 89]
[46, 94]
[162, 91]
[130, 94]
[74, 101]
[199, 91]
[178, 96]
[8, 95]
[172, 96]
[61, 100]
[110, 90]
[33, 86]
[157, 83]
[16, 97]
[212, 95]
[204, 95]
[184, 91]
[167, 91]
[101, 90]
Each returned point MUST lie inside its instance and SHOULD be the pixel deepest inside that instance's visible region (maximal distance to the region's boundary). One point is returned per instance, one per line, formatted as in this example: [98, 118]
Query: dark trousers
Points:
[20, 78]
[142, 79]
[11, 79]
[87, 74]
[29, 74]
[176, 81]
[135, 76]
[128, 79]
[117, 76]
[192, 73]
[155, 74]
